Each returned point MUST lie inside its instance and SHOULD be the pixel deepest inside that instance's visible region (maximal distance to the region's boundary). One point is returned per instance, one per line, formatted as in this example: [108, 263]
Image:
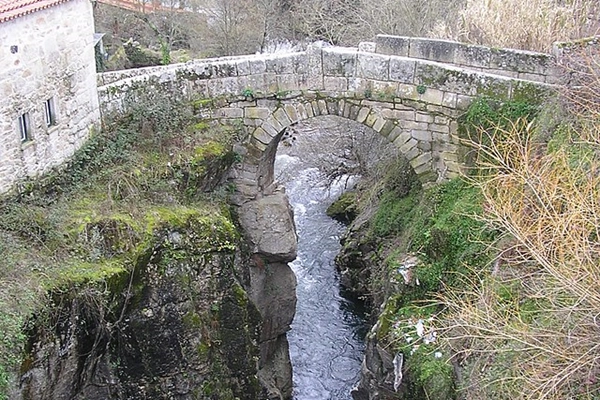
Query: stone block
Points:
[229, 112]
[262, 136]
[422, 117]
[420, 135]
[432, 96]
[425, 146]
[261, 147]
[394, 133]
[439, 128]
[280, 64]
[243, 67]
[409, 124]
[371, 119]
[322, 107]
[441, 137]
[433, 49]
[496, 88]
[354, 109]
[309, 110]
[402, 70]
[302, 114]
[224, 69]
[257, 112]
[339, 62]
[447, 156]
[257, 66]
[291, 112]
[449, 100]
[520, 61]
[422, 168]
[256, 83]
[401, 115]
[392, 45]
[335, 84]
[281, 116]
[271, 84]
[472, 56]
[287, 83]
[402, 138]
[272, 130]
[315, 107]
[278, 126]
[412, 153]
[463, 102]
[347, 109]
[300, 64]
[424, 158]
[406, 91]
[363, 114]
[332, 107]
[441, 120]
[378, 125]
[373, 66]
[408, 145]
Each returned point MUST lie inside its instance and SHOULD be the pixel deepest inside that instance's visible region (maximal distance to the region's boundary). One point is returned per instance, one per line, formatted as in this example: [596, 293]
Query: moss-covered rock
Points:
[344, 209]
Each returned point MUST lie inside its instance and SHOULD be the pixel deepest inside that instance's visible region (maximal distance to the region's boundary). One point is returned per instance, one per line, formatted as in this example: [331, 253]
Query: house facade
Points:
[48, 93]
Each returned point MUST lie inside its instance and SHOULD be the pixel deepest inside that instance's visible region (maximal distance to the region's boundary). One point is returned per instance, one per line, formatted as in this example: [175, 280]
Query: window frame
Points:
[50, 116]
[24, 123]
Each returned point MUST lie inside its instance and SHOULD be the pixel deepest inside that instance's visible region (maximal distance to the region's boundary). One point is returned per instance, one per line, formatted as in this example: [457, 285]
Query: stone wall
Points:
[52, 57]
[513, 63]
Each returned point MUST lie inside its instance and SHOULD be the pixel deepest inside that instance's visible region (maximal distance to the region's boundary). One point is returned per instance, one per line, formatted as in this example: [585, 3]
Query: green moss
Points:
[344, 209]
[192, 320]
[487, 118]
[240, 295]
[530, 93]
[430, 377]
[393, 213]
[79, 273]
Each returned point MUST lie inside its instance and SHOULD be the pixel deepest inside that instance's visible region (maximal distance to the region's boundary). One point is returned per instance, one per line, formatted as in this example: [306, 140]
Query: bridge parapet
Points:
[520, 64]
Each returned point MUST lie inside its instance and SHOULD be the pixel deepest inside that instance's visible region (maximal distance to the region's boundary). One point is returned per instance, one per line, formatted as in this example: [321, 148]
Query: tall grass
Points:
[529, 25]
[533, 319]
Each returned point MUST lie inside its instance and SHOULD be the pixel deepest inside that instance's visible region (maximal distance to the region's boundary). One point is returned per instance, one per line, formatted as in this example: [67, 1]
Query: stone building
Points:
[48, 94]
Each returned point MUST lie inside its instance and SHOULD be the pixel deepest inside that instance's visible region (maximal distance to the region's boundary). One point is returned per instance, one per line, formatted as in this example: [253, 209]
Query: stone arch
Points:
[428, 140]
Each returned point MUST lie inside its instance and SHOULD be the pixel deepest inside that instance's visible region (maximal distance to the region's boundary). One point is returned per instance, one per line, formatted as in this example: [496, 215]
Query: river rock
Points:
[269, 229]
[269, 226]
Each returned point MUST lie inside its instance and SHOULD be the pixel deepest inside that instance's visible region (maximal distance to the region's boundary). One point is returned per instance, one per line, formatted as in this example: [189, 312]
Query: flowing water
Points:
[327, 336]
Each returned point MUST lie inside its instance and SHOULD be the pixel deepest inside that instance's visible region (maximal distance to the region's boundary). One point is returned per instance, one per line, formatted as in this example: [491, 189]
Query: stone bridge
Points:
[410, 90]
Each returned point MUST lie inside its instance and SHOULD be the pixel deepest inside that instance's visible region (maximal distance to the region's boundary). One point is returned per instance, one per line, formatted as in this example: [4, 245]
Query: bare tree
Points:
[334, 21]
[406, 17]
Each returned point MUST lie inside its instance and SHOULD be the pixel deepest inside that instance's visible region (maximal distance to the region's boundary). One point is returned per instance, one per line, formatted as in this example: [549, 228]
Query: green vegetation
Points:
[96, 220]
[437, 241]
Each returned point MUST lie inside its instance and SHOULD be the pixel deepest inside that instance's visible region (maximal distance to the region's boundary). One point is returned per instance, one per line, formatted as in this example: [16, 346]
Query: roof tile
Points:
[11, 9]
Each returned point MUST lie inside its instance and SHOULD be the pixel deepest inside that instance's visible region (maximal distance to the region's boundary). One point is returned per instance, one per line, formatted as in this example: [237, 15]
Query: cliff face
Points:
[195, 318]
[176, 303]
[180, 324]
[411, 244]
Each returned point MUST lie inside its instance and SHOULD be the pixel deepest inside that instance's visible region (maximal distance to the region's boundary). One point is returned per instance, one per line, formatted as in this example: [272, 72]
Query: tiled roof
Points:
[11, 9]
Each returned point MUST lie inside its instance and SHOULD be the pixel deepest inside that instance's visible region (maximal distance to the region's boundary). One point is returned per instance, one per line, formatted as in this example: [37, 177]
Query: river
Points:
[327, 336]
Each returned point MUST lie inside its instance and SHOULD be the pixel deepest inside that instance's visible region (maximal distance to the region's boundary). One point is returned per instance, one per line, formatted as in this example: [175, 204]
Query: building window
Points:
[50, 112]
[25, 127]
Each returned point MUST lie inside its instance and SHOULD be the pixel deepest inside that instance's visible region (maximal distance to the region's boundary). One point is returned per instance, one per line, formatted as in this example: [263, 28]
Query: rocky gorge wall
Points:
[185, 298]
